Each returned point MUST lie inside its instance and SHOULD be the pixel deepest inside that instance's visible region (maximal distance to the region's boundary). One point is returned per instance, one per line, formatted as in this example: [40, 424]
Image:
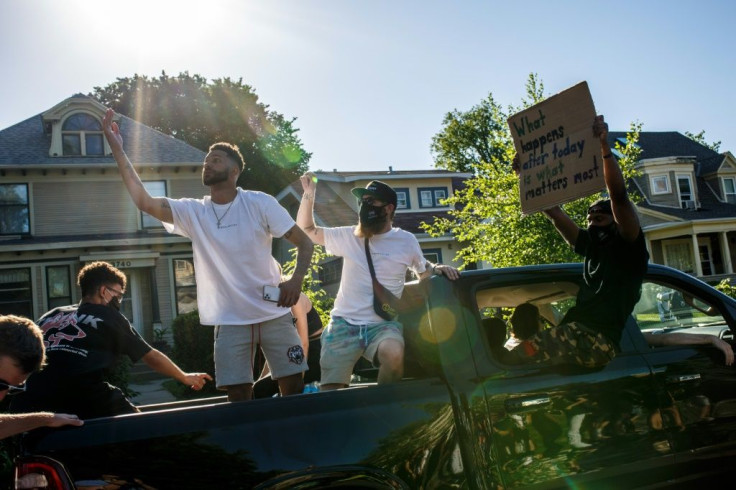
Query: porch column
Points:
[696, 253]
[725, 252]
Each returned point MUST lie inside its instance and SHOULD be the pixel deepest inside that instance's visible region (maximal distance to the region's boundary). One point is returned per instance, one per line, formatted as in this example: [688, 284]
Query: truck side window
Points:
[496, 305]
[664, 308]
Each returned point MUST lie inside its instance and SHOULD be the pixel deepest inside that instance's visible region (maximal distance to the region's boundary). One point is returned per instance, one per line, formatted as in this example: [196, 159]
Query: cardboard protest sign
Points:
[560, 159]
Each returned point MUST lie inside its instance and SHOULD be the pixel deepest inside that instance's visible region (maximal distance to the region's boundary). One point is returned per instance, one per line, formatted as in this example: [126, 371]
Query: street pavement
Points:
[151, 391]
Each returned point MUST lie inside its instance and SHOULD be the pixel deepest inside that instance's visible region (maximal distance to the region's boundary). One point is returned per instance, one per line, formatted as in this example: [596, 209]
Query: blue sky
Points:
[370, 81]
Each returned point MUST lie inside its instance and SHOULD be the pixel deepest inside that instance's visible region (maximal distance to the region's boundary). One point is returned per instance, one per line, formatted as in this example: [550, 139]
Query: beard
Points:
[367, 230]
[214, 177]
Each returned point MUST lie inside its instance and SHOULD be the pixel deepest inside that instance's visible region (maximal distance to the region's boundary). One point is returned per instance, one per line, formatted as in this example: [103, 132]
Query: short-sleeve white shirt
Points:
[232, 263]
[392, 252]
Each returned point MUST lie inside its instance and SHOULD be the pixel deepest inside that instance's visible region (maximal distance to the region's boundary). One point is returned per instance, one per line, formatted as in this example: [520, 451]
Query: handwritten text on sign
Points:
[558, 154]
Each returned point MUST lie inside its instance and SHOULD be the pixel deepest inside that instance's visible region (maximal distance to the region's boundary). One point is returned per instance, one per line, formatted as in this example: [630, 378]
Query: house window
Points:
[81, 135]
[660, 184]
[402, 198]
[156, 188]
[15, 292]
[330, 272]
[14, 211]
[185, 288]
[432, 197]
[434, 255]
[58, 286]
[685, 187]
[679, 255]
[729, 189]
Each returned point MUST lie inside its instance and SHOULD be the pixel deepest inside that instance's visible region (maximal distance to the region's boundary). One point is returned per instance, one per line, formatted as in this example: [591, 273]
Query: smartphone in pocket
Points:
[271, 293]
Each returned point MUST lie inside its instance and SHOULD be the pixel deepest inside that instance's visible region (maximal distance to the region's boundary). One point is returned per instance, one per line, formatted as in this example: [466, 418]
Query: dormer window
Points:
[685, 186]
[81, 135]
[660, 184]
[729, 189]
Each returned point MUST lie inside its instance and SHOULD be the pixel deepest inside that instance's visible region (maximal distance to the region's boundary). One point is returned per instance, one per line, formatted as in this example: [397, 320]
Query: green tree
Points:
[486, 216]
[700, 138]
[321, 302]
[201, 113]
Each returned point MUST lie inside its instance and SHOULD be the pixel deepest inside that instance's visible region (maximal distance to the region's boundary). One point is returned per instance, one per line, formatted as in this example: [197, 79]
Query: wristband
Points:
[607, 155]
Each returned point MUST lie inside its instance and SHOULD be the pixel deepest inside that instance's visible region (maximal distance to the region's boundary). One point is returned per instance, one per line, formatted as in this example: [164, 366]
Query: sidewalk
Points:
[151, 391]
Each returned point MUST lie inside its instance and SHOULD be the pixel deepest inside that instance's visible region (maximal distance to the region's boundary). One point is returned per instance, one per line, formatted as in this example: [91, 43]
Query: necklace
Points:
[220, 218]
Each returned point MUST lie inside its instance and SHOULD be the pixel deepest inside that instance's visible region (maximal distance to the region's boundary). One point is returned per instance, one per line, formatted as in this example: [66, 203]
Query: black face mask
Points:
[371, 215]
[114, 303]
[602, 234]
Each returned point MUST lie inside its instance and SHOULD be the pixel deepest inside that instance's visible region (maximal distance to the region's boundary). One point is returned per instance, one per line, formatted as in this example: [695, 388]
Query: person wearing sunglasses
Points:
[355, 328]
[83, 342]
[21, 354]
[615, 260]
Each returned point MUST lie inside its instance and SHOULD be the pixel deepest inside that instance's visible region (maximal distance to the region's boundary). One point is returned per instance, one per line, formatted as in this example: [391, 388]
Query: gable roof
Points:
[27, 143]
[331, 210]
[673, 144]
[656, 144]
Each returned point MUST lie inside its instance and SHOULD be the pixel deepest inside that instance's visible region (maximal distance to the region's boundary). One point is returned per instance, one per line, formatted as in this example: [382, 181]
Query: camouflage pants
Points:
[570, 343]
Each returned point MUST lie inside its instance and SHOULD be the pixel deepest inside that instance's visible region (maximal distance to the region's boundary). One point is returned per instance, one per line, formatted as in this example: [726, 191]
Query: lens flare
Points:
[444, 326]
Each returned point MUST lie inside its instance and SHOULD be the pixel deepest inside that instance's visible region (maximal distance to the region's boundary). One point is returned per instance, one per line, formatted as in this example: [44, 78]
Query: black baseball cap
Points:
[377, 189]
[602, 206]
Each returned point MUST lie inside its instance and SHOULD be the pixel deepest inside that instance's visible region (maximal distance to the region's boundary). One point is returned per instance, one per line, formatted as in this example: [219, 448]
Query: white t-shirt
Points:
[392, 252]
[233, 263]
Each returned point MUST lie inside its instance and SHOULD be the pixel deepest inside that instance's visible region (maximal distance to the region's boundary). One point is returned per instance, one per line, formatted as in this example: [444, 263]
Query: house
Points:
[63, 205]
[688, 207]
[420, 198]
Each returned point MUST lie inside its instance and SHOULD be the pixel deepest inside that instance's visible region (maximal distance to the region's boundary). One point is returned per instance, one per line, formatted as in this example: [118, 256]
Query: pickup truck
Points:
[460, 418]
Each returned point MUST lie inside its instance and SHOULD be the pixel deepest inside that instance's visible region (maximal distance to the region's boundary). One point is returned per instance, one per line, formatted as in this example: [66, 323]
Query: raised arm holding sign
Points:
[616, 259]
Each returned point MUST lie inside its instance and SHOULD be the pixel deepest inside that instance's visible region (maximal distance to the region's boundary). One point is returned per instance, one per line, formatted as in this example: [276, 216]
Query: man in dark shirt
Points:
[615, 262]
[83, 342]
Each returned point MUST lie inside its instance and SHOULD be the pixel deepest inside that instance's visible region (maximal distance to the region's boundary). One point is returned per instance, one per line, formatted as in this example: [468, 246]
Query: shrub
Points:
[726, 287]
[193, 352]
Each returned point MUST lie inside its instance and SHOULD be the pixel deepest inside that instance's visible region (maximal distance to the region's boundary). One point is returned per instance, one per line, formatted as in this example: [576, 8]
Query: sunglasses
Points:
[370, 200]
[12, 389]
[599, 210]
[119, 294]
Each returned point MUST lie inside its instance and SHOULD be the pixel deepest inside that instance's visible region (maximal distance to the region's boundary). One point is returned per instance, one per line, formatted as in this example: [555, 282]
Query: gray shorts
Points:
[235, 350]
[343, 343]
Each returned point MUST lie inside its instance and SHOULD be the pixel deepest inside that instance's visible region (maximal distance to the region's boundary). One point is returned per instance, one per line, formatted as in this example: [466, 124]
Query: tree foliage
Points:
[486, 217]
[700, 138]
[203, 112]
[321, 302]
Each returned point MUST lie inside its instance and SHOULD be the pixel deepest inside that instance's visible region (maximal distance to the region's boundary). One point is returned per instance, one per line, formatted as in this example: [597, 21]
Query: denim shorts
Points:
[343, 343]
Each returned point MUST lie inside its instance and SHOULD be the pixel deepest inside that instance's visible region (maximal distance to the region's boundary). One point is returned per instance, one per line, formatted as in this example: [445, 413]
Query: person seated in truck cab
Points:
[525, 323]
[615, 259]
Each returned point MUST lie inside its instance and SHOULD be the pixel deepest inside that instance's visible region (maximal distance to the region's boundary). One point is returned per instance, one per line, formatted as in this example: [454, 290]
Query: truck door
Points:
[566, 425]
[696, 390]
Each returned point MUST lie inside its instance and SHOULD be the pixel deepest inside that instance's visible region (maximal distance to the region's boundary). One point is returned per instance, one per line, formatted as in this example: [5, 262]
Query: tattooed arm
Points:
[305, 215]
[158, 207]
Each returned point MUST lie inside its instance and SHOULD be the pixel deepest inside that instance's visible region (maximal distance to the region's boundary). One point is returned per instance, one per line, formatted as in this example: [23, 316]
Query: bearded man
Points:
[615, 262]
[355, 329]
[232, 232]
